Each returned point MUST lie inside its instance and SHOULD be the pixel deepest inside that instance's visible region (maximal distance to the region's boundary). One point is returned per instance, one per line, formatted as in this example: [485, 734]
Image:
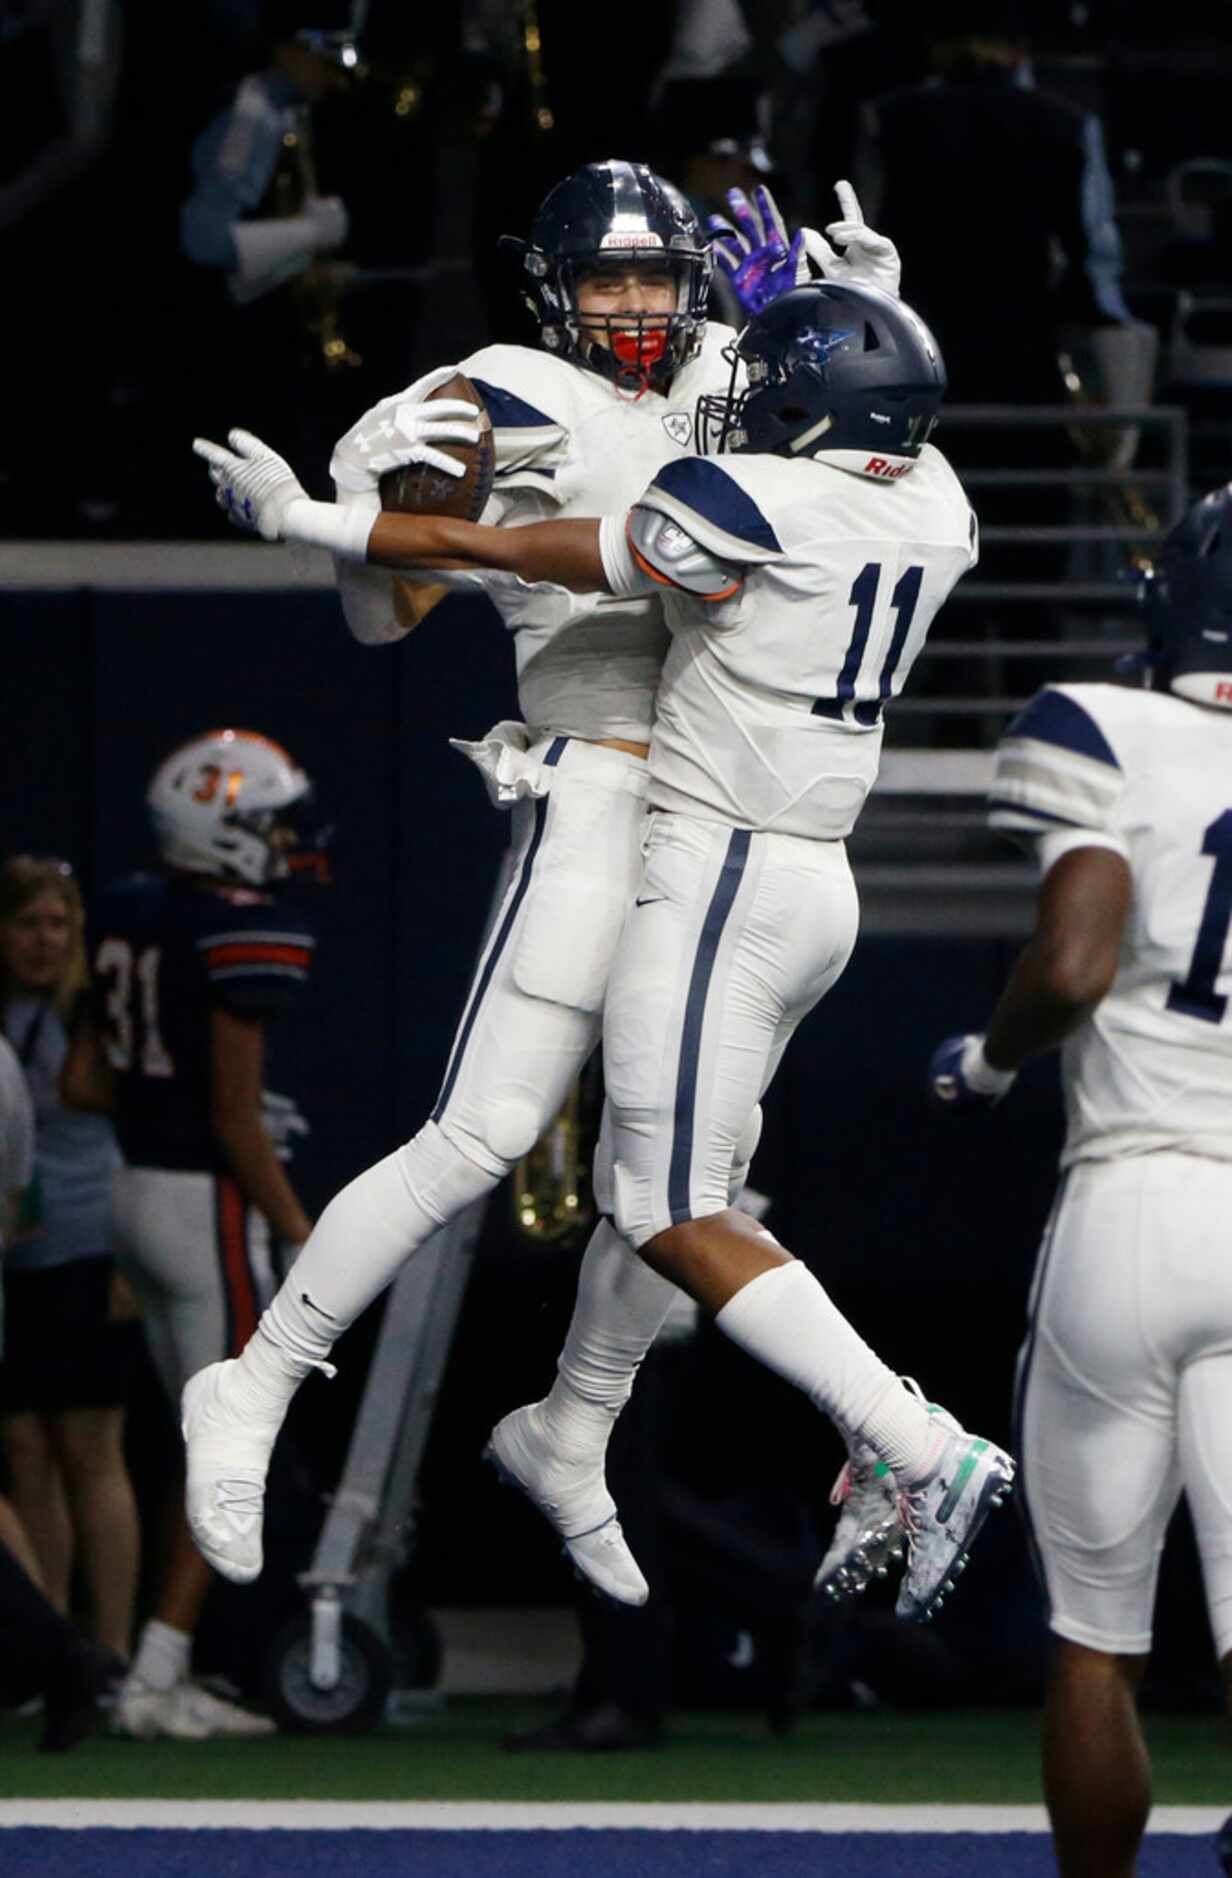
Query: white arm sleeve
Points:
[270, 252]
[366, 593]
[621, 571]
[1050, 847]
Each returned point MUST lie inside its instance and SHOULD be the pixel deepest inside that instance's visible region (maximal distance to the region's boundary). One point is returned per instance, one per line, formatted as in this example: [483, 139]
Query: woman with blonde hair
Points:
[63, 1379]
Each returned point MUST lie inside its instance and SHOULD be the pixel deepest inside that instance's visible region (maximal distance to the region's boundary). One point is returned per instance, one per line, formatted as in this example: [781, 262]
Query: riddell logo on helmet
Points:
[631, 238]
[877, 466]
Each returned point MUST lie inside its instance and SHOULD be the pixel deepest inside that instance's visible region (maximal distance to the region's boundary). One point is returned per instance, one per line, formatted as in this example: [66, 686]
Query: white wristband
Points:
[979, 1074]
[620, 570]
[343, 529]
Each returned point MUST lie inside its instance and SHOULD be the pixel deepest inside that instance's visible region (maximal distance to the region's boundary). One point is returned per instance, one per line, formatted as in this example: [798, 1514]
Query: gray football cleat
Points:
[942, 1516]
[572, 1495]
[868, 1535]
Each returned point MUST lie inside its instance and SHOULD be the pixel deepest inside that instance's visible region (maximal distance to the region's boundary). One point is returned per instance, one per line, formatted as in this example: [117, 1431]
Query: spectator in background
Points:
[59, 64]
[63, 1381]
[257, 230]
[712, 138]
[40, 1654]
[1002, 200]
[987, 180]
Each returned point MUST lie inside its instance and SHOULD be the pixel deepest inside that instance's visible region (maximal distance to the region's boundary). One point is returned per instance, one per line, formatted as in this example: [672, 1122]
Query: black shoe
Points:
[71, 1700]
[605, 1729]
[1223, 1844]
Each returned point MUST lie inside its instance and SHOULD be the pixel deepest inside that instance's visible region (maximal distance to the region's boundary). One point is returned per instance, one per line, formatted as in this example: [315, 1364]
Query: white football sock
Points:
[162, 1655]
[356, 1247]
[620, 1307]
[785, 1319]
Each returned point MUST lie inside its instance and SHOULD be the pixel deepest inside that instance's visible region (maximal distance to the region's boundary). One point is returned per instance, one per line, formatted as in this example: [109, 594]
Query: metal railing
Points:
[924, 856]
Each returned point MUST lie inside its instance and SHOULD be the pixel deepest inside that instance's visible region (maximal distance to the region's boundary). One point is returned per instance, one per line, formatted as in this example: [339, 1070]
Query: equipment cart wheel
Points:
[356, 1701]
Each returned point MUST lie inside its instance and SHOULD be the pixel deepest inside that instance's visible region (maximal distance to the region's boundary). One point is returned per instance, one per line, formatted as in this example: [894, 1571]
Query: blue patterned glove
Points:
[756, 254]
[960, 1078]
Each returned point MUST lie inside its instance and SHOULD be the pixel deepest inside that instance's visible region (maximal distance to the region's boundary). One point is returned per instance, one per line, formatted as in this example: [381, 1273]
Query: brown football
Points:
[419, 489]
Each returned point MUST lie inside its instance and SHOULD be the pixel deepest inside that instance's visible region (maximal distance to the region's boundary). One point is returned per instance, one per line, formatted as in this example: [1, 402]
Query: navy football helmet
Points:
[606, 215]
[1188, 599]
[829, 367]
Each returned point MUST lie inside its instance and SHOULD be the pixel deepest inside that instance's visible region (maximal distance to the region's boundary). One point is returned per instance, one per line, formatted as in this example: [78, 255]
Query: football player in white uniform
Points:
[1125, 1376]
[799, 577]
[617, 270]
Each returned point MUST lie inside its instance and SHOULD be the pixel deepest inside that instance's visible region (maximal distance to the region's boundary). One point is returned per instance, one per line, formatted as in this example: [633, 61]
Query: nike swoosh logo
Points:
[654, 900]
[312, 1306]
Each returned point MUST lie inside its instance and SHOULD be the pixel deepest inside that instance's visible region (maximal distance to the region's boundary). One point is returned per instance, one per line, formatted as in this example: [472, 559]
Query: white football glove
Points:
[254, 486]
[402, 429]
[868, 260]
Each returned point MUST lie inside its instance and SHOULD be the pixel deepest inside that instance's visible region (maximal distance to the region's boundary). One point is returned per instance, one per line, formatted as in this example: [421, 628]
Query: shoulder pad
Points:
[527, 395]
[711, 507]
[663, 550]
[1055, 767]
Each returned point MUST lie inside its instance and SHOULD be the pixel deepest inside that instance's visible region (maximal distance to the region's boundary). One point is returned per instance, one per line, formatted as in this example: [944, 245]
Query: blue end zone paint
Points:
[101, 1852]
[1054, 718]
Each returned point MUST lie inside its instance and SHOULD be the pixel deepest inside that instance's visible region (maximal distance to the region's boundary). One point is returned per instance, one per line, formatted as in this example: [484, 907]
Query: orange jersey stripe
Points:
[256, 952]
[237, 1273]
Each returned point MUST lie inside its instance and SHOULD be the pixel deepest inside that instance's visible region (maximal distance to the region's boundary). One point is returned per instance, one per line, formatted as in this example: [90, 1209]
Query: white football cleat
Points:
[186, 1712]
[943, 1514]
[573, 1497]
[228, 1457]
[869, 1534]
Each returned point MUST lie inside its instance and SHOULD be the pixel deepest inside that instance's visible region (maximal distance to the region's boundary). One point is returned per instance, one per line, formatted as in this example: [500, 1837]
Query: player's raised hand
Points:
[754, 249]
[959, 1076]
[404, 428]
[868, 259]
[254, 486]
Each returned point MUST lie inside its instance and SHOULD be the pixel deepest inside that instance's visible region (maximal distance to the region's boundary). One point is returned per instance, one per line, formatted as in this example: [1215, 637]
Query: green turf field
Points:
[972, 1756]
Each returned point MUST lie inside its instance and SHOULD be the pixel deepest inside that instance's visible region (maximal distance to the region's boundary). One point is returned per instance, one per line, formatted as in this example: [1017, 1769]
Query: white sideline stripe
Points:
[515, 1815]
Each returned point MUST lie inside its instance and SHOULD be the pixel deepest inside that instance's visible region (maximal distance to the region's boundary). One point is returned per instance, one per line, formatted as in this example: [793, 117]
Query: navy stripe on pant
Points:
[551, 759]
[681, 1166]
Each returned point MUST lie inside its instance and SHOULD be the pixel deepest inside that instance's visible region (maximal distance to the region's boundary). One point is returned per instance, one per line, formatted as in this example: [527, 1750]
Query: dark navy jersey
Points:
[166, 951]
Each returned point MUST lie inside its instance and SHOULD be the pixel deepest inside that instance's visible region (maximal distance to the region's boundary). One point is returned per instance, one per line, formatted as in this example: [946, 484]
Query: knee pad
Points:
[746, 1148]
[440, 1174]
[512, 1125]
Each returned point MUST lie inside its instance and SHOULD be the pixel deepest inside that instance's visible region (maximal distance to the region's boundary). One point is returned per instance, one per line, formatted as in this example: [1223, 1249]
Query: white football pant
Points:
[531, 1020]
[1125, 1392]
[732, 939]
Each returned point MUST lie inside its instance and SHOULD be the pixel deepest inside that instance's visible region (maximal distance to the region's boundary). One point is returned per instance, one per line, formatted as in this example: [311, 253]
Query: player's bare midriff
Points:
[620, 743]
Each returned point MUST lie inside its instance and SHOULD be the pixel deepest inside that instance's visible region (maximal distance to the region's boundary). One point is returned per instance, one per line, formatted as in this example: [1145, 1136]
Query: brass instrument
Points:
[1125, 502]
[551, 1184]
[318, 291]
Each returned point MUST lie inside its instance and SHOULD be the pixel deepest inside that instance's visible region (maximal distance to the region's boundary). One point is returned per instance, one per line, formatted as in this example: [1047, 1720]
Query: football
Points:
[419, 489]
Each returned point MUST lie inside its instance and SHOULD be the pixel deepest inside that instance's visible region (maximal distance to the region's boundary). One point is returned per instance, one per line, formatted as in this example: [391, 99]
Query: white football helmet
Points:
[215, 803]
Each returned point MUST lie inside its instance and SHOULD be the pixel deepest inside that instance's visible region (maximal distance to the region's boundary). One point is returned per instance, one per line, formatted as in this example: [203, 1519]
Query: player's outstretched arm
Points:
[1062, 973]
[565, 553]
[259, 491]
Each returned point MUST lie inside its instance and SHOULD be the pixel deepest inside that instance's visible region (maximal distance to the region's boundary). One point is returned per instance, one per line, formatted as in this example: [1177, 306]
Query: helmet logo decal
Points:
[679, 427]
[619, 237]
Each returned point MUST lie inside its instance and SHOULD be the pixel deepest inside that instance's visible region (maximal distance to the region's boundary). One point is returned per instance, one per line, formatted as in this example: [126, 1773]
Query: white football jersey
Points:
[568, 443]
[1151, 776]
[769, 713]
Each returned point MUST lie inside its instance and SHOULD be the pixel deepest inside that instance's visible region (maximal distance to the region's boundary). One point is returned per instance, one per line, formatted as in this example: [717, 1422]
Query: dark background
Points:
[924, 1233]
